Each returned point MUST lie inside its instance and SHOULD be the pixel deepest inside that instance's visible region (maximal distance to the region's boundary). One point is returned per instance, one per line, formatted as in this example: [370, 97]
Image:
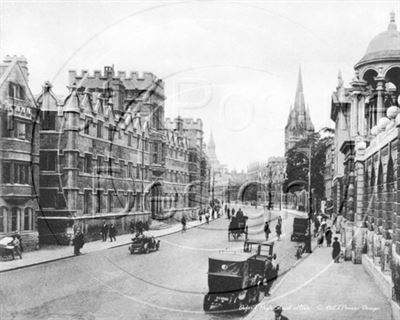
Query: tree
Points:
[297, 163]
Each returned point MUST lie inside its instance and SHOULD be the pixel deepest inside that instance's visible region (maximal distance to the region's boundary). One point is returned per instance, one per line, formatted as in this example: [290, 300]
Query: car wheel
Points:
[207, 302]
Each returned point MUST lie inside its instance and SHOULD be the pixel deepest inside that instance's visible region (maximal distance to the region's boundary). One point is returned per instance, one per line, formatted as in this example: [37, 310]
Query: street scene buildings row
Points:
[106, 151]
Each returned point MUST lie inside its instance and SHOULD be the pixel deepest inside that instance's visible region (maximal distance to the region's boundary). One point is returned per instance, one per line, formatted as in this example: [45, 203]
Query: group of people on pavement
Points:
[109, 230]
[323, 232]
[278, 229]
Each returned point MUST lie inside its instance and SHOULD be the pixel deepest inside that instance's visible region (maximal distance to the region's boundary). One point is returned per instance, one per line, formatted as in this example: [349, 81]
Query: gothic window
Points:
[99, 164]
[48, 121]
[130, 171]
[15, 214]
[28, 219]
[110, 167]
[48, 160]
[99, 129]
[110, 133]
[3, 219]
[87, 201]
[87, 167]
[86, 129]
[16, 91]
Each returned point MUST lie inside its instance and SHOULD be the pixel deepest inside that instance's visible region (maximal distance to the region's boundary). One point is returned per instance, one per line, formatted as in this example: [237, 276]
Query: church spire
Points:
[211, 143]
[299, 104]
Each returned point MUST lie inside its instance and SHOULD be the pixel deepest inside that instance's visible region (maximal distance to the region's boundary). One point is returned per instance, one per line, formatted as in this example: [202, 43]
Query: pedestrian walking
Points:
[336, 250]
[267, 230]
[316, 226]
[328, 236]
[269, 275]
[233, 212]
[320, 239]
[207, 217]
[104, 230]
[78, 241]
[280, 220]
[228, 212]
[183, 221]
[139, 227]
[200, 215]
[17, 246]
[278, 229]
[323, 225]
[278, 314]
[113, 232]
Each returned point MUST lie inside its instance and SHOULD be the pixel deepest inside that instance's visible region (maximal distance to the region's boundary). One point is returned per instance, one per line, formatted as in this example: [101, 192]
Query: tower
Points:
[299, 124]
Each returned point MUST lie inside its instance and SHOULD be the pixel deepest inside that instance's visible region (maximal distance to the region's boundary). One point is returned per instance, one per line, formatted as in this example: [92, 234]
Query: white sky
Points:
[232, 63]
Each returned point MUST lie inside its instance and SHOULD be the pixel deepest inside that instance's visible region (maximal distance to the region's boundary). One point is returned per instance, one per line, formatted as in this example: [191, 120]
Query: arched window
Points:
[3, 219]
[15, 216]
[28, 219]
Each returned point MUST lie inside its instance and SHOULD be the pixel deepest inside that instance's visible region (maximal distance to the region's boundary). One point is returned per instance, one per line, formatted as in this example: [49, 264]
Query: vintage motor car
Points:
[144, 244]
[300, 227]
[236, 281]
[6, 248]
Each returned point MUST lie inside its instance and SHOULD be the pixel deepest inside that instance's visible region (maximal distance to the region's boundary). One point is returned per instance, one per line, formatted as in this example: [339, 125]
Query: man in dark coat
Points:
[278, 229]
[139, 227]
[104, 231]
[228, 212]
[78, 241]
[336, 250]
[267, 230]
[328, 236]
[183, 221]
[233, 212]
[113, 232]
[269, 275]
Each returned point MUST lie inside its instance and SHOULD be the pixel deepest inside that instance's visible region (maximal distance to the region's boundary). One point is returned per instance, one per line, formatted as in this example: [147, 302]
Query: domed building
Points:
[365, 188]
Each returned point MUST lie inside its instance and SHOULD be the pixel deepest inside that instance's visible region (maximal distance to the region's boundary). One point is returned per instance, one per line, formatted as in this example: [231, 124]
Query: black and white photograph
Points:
[199, 159]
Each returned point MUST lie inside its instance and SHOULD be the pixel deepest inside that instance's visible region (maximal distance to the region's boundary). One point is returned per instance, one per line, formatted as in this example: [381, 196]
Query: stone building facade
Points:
[19, 157]
[367, 184]
[106, 154]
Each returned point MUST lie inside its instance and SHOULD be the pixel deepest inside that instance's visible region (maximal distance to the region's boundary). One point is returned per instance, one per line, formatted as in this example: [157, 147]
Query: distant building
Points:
[266, 177]
[19, 140]
[299, 124]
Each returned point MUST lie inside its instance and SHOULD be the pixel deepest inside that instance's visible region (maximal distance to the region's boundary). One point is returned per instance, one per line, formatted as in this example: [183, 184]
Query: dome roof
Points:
[385, 46]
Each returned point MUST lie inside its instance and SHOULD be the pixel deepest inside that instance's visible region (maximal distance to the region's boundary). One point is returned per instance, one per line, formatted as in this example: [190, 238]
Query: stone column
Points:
[380, 107]
[358, 229]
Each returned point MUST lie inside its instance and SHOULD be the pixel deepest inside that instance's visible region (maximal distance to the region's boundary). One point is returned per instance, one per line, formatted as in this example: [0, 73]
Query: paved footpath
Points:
[54, 253]
[316, 288]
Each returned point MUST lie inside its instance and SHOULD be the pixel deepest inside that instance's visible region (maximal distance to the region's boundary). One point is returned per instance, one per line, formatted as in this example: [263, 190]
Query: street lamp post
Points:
[307, 153]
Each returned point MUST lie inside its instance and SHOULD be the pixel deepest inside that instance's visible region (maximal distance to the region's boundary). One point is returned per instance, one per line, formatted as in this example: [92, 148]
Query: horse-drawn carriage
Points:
[237, 227]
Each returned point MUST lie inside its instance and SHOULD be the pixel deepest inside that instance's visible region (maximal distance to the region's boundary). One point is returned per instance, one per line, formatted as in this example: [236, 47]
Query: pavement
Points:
[316, 288]
[48, 254]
